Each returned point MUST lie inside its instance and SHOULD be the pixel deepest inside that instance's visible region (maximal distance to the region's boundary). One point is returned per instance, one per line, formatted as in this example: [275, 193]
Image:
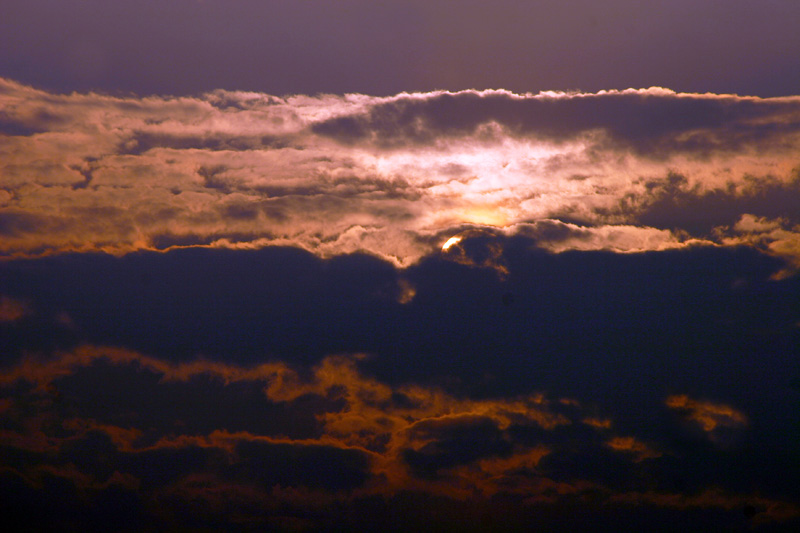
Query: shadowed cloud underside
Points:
[273, 388]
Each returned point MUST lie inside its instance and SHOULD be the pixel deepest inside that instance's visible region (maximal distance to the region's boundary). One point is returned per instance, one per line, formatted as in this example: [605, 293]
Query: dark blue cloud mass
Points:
[587, 379]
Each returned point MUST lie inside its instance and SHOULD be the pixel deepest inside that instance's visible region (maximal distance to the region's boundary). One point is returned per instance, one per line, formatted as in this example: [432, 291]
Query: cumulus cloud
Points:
[393, 176]
[654, 122]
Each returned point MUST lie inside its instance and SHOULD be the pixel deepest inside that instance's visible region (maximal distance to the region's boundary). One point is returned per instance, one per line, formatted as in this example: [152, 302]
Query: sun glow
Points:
[450, 242]
[484, 215]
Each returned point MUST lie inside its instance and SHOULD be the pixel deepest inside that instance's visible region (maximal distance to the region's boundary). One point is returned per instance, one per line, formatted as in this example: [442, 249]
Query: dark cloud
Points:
[576, 306]
[123, 397]
[655, 324]
[108, 425]
[652, 123]
[211, 177]
[675, 204]
[291, 465]
[30, 121]
[243, 211]
[455, 441]
[11, 126]
[12, 310]
[15, 224]
[140, 142]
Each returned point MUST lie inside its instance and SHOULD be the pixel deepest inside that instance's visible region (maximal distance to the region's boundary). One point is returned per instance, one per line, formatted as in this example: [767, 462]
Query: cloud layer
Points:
[629, 171]
[457, 310]
[273, 388]
[263, 446]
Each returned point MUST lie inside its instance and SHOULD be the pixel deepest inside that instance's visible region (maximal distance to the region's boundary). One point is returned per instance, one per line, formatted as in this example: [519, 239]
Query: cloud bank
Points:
[272, 388]
[264, 446]
[396, 176]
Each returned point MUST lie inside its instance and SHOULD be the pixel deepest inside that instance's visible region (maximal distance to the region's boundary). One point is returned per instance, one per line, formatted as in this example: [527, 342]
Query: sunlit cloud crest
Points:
[392, 176]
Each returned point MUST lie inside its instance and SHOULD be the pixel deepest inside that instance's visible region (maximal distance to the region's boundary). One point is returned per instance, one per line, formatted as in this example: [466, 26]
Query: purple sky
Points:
[380, 48]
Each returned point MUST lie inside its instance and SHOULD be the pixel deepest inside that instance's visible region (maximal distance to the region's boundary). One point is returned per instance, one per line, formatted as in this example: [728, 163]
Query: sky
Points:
[325, 266]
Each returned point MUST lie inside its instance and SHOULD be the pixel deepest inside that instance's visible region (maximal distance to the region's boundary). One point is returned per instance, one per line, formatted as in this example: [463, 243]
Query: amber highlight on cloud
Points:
[375, 439]
[12, 310]
[395, 176]
[709, 416]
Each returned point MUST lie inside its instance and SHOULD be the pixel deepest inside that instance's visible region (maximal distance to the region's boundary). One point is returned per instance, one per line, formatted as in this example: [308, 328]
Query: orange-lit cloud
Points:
[475, 247]
[599, 423]
[630, 445]
[765, 510]
[340, 174]
[460, 399]
[380, 440]
[12, 310]
[708, 415]
[777, 237]
[373, 417]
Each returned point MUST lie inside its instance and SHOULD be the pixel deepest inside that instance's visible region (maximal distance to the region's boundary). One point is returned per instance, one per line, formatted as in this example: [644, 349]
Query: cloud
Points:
[12, 310]
[775, 236]
[386, 175]
[692, 307]
[709, 416]
[630, 445]
[318, 308]
[105, 419]
[673, 203]
[364, 428]
[652, 122]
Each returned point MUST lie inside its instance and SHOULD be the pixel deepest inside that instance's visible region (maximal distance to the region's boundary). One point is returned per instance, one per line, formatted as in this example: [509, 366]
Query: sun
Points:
[450, 242]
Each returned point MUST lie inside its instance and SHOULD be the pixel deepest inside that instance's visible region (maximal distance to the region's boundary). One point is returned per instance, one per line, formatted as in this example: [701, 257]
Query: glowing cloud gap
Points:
[394, 176]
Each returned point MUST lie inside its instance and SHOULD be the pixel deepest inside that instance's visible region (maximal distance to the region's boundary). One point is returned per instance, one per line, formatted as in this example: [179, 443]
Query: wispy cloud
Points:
[708, 415]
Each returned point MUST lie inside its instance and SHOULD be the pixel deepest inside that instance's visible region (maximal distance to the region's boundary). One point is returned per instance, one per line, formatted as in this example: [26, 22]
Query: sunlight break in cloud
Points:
[388, 176]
